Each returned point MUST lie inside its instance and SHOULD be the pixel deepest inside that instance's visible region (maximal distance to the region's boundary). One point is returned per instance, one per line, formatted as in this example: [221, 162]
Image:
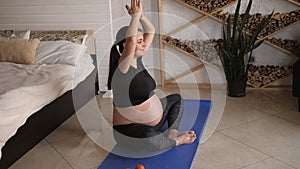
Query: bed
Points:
[36, 98]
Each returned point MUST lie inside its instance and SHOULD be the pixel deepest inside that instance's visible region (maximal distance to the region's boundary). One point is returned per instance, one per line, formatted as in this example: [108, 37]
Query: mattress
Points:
[25, 89]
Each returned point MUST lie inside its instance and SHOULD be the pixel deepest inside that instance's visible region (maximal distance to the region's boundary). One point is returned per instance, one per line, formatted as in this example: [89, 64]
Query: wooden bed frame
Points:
[43, 122]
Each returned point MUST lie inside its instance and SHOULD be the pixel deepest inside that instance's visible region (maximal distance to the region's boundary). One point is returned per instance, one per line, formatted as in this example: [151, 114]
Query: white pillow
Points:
[59, 52]
[21, 35]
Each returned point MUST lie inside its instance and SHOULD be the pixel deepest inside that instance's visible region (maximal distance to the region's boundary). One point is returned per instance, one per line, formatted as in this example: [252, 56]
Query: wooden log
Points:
[264, 75]
[286, 44]
[208, 6]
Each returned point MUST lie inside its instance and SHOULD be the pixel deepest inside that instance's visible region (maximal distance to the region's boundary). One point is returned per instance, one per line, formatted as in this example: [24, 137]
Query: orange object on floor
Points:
[140, 166]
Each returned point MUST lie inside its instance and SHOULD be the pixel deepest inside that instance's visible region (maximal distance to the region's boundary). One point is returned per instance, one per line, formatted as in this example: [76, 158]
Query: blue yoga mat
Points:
[181, 157]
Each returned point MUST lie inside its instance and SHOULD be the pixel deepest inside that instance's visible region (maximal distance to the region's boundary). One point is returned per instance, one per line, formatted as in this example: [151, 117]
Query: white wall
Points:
[53, 15]
[177, 15]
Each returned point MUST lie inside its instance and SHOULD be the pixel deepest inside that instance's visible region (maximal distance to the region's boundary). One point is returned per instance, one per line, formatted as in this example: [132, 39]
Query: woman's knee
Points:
[175, 98]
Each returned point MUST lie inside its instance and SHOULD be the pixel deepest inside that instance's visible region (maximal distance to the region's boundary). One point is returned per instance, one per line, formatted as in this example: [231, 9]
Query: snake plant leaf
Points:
[227, 39]
[244, 44]
[260, 27]
[238, 45]
[257, 44]
[235, 19]
[245, 18]
[235, 26]
[226, 55]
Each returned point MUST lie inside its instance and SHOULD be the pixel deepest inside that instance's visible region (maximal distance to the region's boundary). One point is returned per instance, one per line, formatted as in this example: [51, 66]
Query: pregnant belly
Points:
[148, 113]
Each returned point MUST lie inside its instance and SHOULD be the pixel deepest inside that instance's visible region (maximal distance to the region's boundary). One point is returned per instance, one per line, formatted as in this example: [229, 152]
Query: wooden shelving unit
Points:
[282, 48]
[199, 67]
[167, 82]
[295, 2]
[204, 16]
[269, 35]
[212, 14]
[265, 75]
[187, 48]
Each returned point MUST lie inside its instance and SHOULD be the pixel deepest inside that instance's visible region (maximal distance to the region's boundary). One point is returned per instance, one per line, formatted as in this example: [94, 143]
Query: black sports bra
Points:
[133, 87]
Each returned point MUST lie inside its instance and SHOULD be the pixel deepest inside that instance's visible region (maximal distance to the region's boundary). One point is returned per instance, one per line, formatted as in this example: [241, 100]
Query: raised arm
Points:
[127, 57]
[149, 31]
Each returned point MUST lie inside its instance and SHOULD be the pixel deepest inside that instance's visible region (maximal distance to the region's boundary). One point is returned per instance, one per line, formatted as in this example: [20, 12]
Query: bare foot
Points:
[173, 133]
[186, 137]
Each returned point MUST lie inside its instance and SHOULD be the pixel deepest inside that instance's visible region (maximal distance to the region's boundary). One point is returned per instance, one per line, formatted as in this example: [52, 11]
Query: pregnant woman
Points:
[138, 112]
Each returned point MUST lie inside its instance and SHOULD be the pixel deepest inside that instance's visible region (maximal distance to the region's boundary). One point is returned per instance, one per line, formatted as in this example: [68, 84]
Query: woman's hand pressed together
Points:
[136, 8]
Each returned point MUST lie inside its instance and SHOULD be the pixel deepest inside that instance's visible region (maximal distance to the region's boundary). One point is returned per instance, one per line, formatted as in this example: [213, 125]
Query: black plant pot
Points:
[237, 88]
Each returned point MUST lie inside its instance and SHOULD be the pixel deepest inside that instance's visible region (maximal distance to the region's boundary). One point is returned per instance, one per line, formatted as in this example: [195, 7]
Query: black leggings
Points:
[156, 137]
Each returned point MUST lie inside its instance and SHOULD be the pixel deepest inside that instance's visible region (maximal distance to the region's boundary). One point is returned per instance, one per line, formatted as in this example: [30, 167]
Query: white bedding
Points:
[25, 89]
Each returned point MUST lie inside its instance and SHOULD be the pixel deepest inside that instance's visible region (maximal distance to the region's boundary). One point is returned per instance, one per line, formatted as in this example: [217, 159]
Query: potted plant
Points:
[236, 49]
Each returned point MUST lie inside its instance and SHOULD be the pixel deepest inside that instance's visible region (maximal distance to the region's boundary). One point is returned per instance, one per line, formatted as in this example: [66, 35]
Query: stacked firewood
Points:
[179, 44]
[203, 49]
[208, 6]
[280, 21]
[75, 36]
[217, 43]
[221, 15]
[6, 33]
[259, 76]
[287, 44]
[277, 22]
